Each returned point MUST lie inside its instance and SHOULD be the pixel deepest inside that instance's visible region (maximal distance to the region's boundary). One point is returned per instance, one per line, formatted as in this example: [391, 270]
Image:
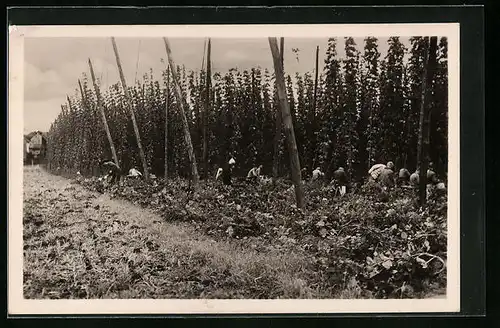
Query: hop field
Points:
[161, 240]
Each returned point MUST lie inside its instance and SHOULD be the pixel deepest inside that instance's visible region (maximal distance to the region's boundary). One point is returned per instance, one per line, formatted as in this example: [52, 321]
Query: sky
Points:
[53, 65]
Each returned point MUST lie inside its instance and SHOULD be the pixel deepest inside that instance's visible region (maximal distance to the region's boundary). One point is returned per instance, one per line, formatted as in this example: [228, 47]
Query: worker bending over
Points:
[383, 174]
[218, 175]
[114, 170]
[415, 178]
[431, 177]
[316, 174]
[254, 173]
[403, 177]
[134, 173]
[225, 172]
[340, 180]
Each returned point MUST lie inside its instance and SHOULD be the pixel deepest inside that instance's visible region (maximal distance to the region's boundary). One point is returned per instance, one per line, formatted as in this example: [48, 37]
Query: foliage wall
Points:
[367, 112]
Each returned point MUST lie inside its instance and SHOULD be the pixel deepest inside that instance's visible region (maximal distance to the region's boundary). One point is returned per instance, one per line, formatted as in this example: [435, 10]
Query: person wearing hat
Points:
[227, 170]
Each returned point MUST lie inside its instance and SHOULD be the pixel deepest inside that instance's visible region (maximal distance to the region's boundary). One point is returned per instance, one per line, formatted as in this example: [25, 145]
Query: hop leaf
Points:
[387, 264]
[373, 273]
[427, 245]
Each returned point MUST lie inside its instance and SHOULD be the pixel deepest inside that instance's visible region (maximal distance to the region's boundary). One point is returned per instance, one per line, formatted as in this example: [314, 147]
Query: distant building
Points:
[25, 148]
[35, 147]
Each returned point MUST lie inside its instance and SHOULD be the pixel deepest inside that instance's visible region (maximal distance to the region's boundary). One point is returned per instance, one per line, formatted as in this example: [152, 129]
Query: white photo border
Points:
[17, 305]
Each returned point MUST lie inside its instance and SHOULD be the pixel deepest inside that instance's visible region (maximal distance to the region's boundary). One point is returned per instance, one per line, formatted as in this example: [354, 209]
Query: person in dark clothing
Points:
[415, 178]
[340, 176]
[114, 170]
[227, 171]
[431, 175]
[304, 173]
[226, 175]
[340, 179]
[386, 178]
[403, 177]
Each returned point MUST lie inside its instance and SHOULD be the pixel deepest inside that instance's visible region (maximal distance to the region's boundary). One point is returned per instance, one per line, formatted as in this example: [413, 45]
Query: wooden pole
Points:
[100, 106]
[180, 101]
[84, 135]
[313, 112]
[131, 110]
[70, 105]
[423, 142]
[288, 125]
[71, 122]
[167, 104]
[277, 133]
[206, 110]
[81, 91]
[61, 160]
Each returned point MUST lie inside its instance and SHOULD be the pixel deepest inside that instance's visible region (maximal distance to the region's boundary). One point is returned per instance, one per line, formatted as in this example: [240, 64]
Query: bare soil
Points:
[82, 244]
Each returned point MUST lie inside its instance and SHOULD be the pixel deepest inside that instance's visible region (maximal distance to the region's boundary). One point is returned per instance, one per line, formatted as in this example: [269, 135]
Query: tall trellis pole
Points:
[131, 110]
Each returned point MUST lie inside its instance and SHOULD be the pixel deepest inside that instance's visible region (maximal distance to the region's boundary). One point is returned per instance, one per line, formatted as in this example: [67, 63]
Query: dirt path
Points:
[79, 244]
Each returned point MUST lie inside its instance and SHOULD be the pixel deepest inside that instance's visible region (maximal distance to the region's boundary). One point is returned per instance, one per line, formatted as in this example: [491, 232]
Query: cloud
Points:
[41, 84]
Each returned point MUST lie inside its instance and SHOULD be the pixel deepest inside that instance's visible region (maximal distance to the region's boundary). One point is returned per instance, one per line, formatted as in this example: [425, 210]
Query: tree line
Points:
[360, 110]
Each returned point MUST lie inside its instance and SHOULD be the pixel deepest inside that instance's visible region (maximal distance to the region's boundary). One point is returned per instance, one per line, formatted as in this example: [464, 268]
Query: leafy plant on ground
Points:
[387, 248]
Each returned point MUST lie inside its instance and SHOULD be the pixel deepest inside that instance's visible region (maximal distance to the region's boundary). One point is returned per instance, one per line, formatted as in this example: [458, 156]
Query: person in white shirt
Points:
[376, 169]
[254, 173]
[316, 174]
[134, 173]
